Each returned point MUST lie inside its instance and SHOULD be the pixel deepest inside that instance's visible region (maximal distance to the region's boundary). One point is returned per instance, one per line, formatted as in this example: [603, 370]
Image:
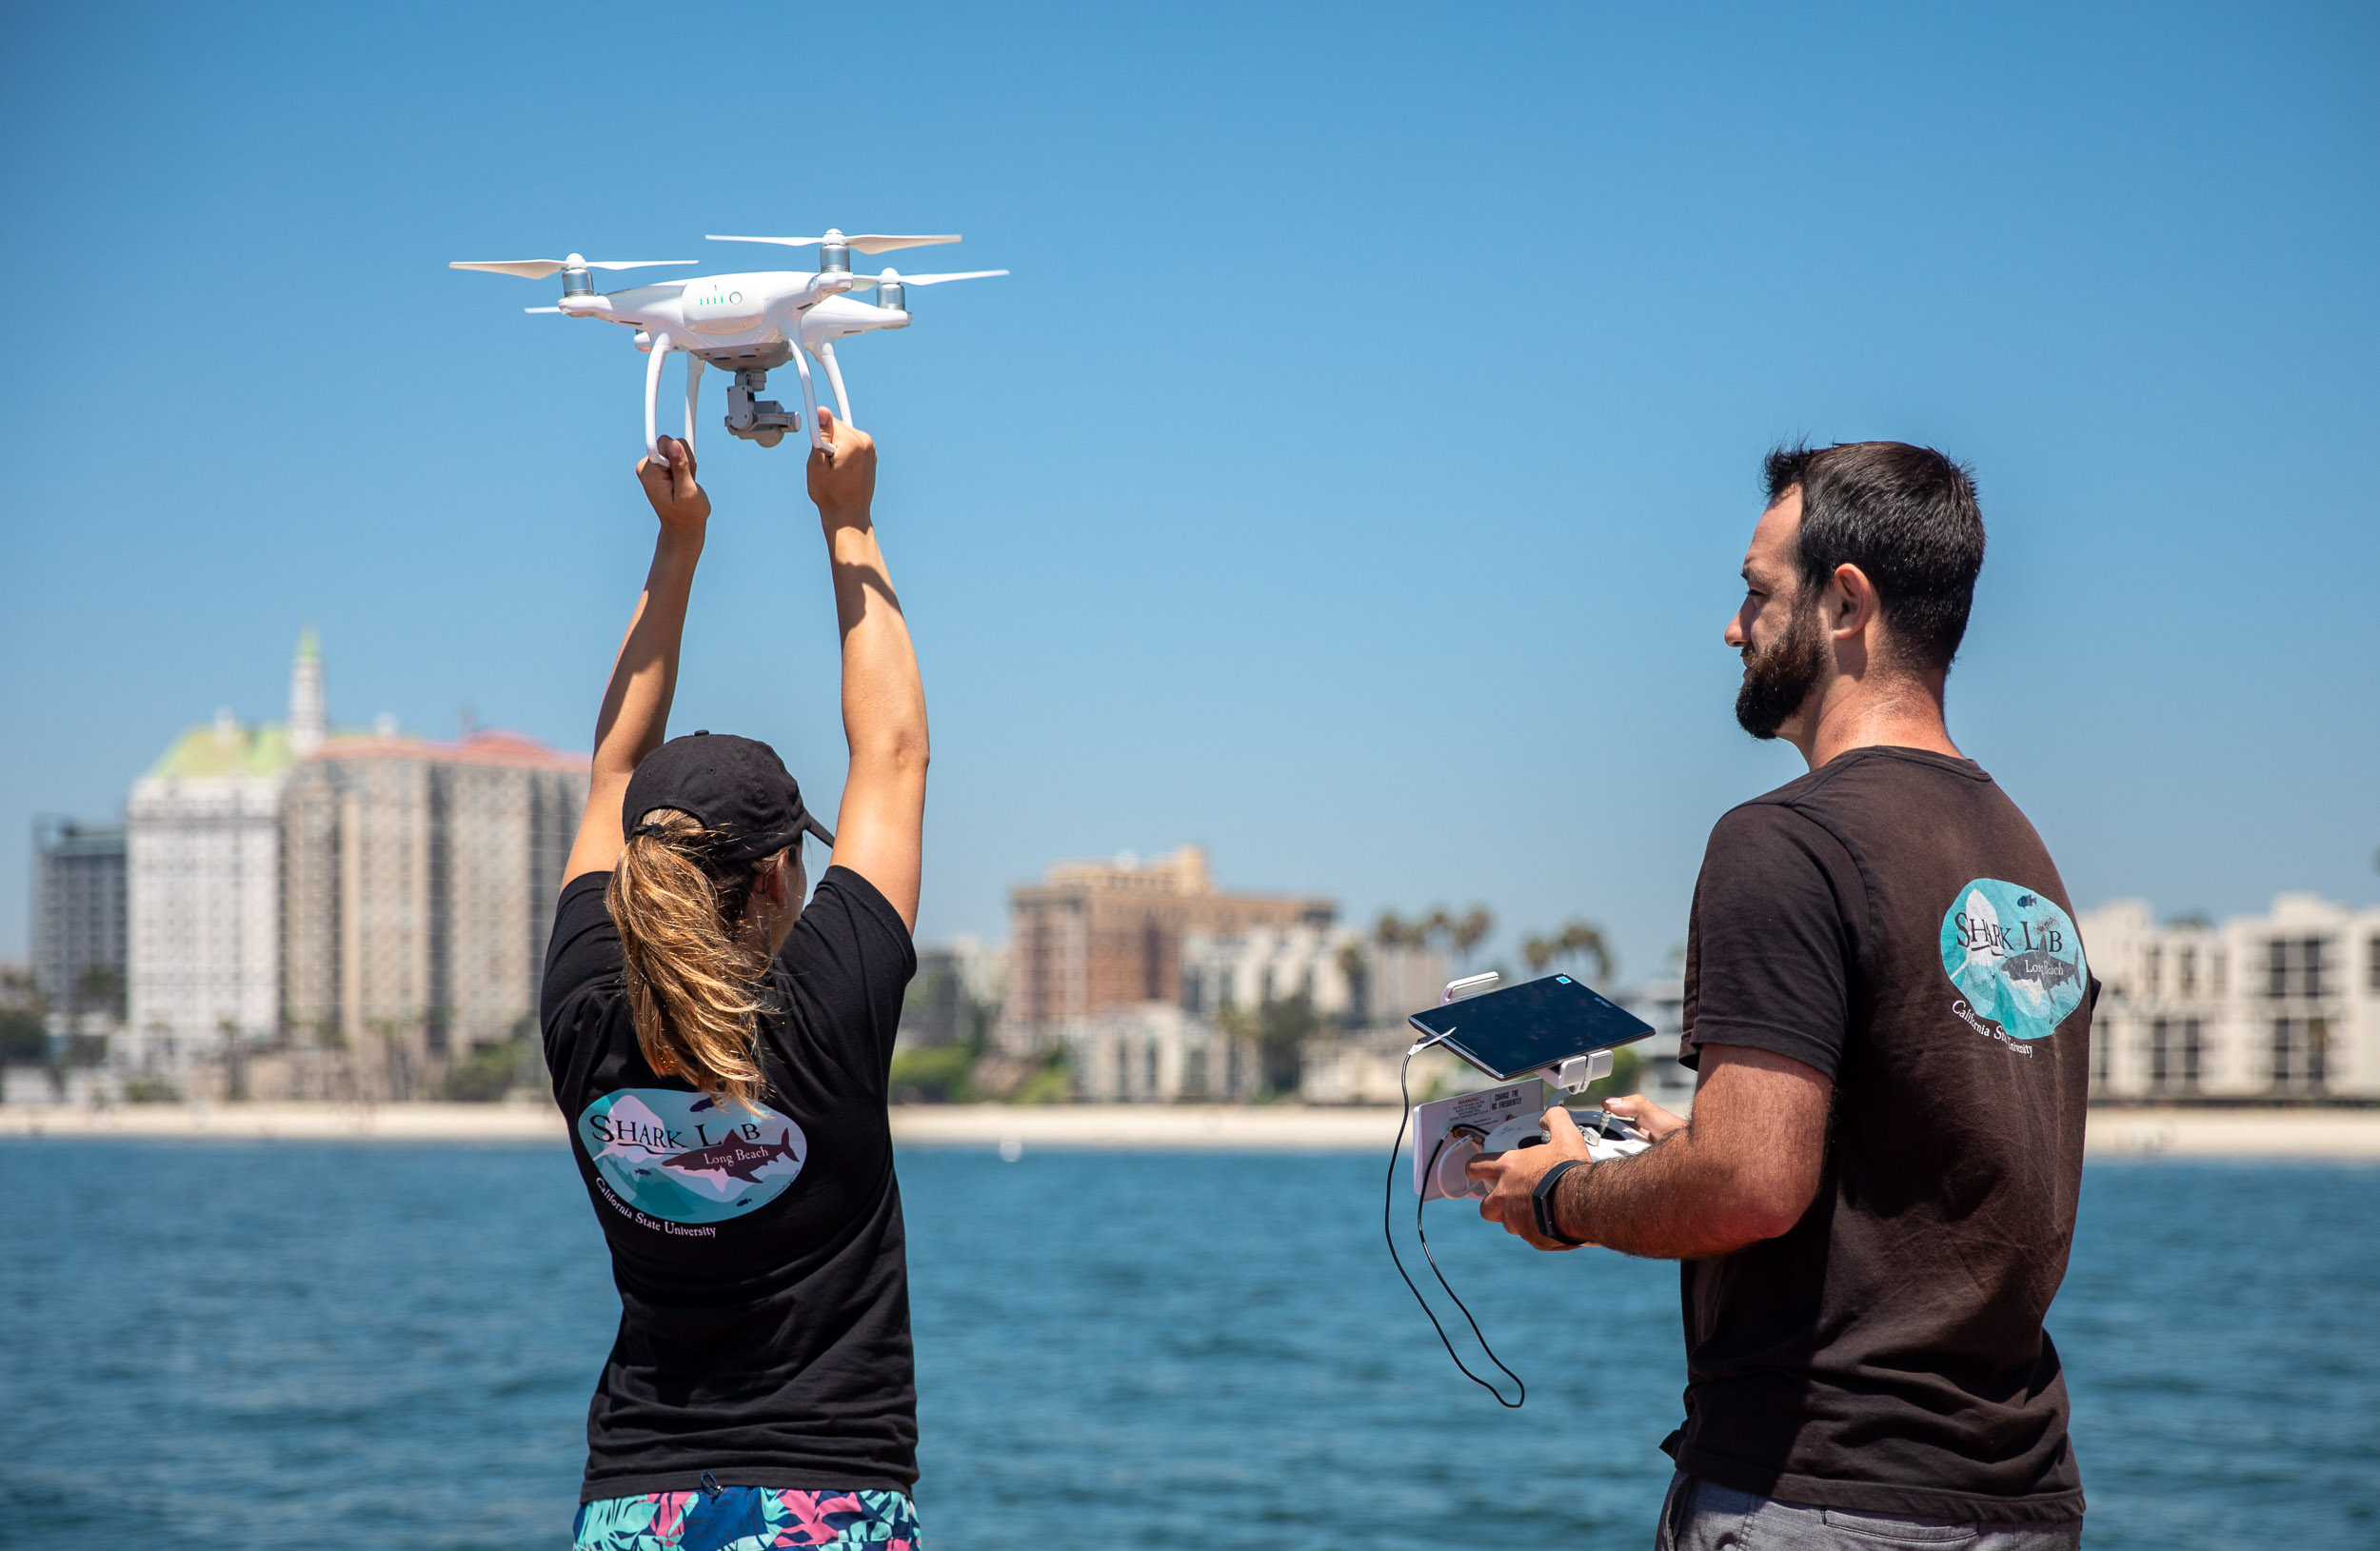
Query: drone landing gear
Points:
[764, 421]
[809, 401]
[660, 351]
[825, 351]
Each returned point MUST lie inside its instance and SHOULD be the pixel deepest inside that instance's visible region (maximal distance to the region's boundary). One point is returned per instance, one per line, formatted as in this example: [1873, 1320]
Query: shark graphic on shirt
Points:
[2014, 957]
[735, 1159]
[683, 1157]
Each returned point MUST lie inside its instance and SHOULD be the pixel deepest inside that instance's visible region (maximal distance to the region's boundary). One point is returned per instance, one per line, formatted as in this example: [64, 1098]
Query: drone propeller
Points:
[541, 310]
[539, 269]
[869, 243]
[894, 277]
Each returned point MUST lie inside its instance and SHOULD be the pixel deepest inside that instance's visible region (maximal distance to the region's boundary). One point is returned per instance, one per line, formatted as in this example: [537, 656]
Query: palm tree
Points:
[1394, 932]
[1354, 968]
[1467, 933]
[1584, 940]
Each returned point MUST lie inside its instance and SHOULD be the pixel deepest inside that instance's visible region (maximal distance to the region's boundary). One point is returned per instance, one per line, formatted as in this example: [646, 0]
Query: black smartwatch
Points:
[1542, 1201]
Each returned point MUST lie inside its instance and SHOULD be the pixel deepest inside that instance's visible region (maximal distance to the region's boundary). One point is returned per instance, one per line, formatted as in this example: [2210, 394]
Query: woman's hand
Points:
[677, 501]
[843, 473]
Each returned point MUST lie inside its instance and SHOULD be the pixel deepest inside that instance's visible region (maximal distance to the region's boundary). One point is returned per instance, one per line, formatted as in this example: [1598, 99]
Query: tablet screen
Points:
[1517, 1030]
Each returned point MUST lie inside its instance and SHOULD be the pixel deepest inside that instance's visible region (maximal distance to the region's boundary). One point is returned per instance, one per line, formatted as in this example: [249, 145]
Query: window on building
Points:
[2296, 967]
[2189, 967]
[2214, 971]
[2160, 1051]
[2300, 1053]
[2101, 1042]
[2156, 964]
[2194, 1052]
[2371, 962]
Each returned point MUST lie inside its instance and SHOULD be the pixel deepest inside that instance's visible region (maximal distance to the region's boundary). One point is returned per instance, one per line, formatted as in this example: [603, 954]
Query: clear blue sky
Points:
[1352, 477]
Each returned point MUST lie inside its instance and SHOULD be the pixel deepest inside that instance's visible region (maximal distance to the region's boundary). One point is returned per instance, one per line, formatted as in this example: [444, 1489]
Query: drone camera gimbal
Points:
[764, 421]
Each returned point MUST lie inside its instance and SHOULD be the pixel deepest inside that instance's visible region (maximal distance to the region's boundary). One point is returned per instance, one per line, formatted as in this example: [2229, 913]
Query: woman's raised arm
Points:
[635, 716]
[880, 831]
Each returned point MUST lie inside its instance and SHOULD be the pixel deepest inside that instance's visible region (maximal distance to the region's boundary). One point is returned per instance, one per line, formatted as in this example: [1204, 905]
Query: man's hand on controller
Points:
[1512, 1177]
[669, 485]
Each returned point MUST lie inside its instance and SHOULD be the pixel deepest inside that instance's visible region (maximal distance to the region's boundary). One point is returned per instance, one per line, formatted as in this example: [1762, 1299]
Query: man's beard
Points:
[1780, 677]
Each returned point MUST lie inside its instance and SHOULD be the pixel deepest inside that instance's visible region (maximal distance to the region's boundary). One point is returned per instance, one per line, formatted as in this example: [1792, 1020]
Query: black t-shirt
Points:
[763, 1287]
[1892, 919]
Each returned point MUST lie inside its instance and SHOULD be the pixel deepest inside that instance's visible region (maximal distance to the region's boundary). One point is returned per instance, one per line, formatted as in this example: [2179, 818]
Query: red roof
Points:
[517, 750]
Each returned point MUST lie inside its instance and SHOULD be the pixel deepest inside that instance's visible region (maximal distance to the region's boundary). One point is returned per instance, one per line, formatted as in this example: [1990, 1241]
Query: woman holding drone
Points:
[720, 1050]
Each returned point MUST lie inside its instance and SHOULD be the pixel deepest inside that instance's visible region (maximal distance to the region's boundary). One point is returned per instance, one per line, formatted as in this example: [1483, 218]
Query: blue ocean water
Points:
[308, 1346]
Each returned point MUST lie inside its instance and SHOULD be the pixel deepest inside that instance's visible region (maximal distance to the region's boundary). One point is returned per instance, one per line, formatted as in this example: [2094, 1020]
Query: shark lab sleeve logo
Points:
[686, 1158]
[2016, 957]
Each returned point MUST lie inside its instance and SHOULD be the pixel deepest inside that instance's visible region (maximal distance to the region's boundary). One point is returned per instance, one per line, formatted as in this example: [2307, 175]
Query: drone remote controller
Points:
[1449, 1133]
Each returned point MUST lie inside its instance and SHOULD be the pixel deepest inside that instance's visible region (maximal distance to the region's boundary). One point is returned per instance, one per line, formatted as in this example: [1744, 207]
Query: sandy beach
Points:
[2139, 1133]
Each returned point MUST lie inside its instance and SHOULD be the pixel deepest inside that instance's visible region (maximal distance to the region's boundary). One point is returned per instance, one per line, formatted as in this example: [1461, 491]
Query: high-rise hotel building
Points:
[203, 898]
[419, 887]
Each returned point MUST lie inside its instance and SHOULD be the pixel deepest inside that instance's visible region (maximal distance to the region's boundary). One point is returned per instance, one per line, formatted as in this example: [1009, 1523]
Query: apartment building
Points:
[1094, 937]
[78, 918]
[419, 880]
[2280, 1007]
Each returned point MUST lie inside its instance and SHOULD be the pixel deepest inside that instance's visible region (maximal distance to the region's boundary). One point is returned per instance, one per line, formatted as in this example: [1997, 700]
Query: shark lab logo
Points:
[2015, 959]
[685, 1157]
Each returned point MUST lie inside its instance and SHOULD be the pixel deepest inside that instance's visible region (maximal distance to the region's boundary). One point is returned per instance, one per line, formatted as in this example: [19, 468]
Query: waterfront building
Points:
[203, 939]
[1095, 936]
[2281, 1007]
[954, 996]
[420, 881]
[203, 899]
[1157, 1053]
[78, 918]
[1243, 970]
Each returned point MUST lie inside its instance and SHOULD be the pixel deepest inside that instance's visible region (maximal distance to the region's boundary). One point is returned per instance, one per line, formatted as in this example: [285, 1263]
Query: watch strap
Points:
[1542, 1201]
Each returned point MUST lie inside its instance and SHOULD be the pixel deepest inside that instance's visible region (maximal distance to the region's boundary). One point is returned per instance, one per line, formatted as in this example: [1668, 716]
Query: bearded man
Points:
[1888, 1012]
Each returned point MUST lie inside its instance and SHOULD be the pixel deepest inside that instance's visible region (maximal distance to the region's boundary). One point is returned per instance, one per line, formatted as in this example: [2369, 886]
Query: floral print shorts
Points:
[748, 1519]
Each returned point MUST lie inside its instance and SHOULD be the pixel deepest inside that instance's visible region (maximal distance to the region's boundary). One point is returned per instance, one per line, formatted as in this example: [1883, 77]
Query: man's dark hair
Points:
[1906, 517]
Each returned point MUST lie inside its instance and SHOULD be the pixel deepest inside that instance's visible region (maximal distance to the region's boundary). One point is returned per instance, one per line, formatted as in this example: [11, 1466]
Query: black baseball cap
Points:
[735, 787]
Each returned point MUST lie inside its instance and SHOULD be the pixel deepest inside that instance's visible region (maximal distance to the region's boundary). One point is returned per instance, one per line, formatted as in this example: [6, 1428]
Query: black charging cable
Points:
[1388, 1203]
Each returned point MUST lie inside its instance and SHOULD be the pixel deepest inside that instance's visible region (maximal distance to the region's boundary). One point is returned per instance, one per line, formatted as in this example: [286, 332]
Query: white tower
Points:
[307, 721]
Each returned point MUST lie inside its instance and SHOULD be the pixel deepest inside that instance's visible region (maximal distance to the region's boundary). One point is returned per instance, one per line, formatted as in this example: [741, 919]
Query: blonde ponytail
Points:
[692, 969]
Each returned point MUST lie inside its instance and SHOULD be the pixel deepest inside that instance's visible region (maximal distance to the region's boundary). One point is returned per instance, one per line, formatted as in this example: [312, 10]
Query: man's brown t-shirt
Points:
[1892, 919]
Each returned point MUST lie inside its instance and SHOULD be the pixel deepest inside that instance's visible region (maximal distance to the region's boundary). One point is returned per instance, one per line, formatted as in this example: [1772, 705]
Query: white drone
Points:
[744, 324]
